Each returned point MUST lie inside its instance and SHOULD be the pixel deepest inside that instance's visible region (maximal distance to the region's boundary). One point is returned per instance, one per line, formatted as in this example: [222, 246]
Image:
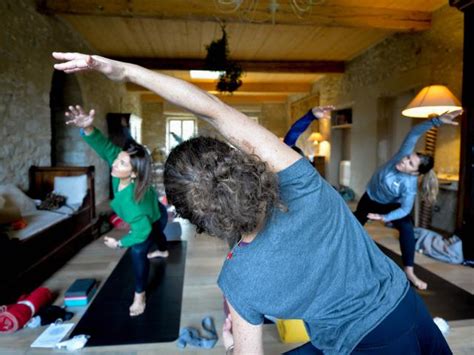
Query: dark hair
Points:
[141, 165]
[426, 163]
[224, 191]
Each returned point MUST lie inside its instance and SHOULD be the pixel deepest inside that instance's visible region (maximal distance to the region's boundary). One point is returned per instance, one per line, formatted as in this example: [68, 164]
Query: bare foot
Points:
[419, 284]
[158, 254]
[138, 305]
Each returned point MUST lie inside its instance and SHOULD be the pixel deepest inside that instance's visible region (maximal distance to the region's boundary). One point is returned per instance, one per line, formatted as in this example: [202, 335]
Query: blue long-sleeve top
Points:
[388, 185]
[299, 127]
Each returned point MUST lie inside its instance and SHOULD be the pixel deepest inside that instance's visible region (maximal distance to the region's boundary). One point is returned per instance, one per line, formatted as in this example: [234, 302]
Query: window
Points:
[136, 128]
[179, 129]
[253, 117]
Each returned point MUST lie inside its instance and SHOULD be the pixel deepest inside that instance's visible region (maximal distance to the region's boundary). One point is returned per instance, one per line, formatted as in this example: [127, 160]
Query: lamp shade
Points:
[315, 137]
[432, 100]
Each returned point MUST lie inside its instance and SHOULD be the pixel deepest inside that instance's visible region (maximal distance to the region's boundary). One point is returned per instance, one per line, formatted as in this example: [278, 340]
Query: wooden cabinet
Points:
[319, 162]
[444, 210]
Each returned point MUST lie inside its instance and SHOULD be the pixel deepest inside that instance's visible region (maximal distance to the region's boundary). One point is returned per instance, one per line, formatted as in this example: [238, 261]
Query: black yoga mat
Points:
[442, 298]
[107, 319]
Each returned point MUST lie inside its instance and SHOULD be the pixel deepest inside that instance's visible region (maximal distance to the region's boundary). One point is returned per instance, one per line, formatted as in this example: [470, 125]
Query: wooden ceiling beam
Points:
[257, 88]
[321, 15]
[251, 66]
[231, 99]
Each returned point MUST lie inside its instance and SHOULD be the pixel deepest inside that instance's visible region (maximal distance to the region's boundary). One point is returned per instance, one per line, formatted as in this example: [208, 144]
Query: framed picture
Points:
[341, 117]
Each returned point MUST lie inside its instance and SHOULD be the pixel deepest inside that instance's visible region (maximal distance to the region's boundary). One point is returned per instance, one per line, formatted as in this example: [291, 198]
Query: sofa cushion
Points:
[8, 213]
[73, 187]
[14, 197]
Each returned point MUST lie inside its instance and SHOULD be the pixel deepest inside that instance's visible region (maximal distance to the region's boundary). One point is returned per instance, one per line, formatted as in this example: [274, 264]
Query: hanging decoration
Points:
[262, 11]
[217, 60]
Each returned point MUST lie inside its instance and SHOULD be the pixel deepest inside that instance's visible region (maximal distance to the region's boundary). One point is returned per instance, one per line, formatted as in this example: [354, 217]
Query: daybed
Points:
[51, 238]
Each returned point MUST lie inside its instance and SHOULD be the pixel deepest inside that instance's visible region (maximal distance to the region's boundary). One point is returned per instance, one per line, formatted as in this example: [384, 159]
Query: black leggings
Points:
[158, 231]
[141, 264]
[404, 225]
[408, 329]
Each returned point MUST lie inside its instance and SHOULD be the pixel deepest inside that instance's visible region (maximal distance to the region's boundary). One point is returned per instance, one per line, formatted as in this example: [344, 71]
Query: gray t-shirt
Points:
[316, 263]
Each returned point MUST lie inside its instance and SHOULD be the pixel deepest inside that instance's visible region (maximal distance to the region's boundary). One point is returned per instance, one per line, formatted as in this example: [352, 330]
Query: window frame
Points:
[181, 119]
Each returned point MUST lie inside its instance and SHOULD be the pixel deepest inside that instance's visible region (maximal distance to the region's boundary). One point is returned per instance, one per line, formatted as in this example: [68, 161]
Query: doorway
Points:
[66, 146]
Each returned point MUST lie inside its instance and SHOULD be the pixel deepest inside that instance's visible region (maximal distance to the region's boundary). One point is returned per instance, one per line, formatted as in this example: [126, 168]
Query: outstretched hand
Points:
[375, 217]
[111, 242]
[321, 111]
[448, 117]
[227, 336]
[78, 62]
[79, 117]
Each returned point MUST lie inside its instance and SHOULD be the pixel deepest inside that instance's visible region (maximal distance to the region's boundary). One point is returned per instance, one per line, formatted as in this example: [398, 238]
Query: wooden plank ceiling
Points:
[280, 59]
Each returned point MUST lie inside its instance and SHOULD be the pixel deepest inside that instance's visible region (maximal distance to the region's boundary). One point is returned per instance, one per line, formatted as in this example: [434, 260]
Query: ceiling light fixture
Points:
[252, 11]
[206, 74]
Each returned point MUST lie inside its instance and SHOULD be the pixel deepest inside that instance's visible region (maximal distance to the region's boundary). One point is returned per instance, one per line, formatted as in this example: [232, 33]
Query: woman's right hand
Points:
[79, 118]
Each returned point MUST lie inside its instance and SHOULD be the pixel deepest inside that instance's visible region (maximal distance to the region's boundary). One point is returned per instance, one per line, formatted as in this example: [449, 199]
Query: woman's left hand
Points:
[375, 217]
[322, 111]
[78, 117]
[111, 242]
[448, 117]
[78, 62]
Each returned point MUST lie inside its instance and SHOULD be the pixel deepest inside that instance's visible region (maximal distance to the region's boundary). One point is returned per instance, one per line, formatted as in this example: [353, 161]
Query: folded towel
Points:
[191, 335]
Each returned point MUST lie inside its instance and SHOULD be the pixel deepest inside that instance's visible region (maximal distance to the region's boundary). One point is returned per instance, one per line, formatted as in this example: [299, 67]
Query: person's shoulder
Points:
[299, 168]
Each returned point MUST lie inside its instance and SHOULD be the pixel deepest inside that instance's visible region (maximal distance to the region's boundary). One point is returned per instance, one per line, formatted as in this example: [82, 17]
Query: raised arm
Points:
[92, 136]
[240, 130]
[408, 145]
[303, 123]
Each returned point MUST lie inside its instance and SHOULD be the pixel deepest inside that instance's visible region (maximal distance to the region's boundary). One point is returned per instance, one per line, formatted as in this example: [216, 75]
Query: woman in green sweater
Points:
[135, 200]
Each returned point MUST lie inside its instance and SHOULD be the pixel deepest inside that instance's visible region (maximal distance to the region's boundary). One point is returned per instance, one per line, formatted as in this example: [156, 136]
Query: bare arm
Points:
[240, 130]
[247, 337]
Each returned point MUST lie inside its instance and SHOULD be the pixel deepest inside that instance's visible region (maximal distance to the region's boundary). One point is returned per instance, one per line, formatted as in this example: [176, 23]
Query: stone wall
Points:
[390, 74]
[274, 117]
[153, 126]
[28, 38]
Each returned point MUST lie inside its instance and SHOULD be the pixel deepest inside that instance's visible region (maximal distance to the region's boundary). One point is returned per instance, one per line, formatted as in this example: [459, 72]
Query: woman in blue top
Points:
[306, 256]
[391, 191]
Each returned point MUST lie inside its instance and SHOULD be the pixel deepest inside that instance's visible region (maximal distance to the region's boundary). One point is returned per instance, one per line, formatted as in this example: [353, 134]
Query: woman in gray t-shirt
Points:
[307, 256]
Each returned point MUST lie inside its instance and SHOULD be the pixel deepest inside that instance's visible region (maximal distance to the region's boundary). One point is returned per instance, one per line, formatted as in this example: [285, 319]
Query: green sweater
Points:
[139, 215]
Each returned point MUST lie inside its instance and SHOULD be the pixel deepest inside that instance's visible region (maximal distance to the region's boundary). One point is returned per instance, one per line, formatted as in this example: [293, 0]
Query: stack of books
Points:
[80, 293]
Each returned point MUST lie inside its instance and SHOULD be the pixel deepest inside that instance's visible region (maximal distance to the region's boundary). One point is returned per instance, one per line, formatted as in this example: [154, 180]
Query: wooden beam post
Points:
[258, 88]
[465, 213]
[320, 15]
[232, 99]
[261, 66]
